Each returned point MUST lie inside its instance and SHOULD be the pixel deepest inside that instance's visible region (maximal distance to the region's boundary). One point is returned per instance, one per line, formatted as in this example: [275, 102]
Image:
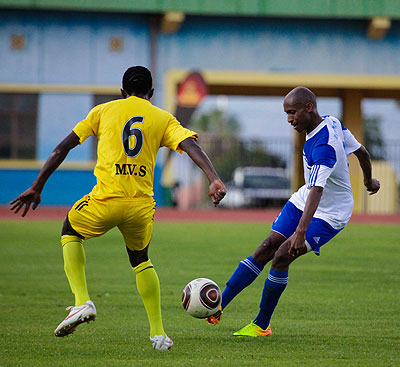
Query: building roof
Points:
[354, 9]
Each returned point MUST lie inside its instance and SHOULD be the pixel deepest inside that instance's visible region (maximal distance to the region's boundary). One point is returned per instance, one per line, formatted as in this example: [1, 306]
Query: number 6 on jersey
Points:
[128, 132]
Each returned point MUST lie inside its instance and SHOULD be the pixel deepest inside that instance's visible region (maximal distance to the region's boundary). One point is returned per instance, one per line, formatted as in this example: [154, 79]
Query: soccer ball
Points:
[201, 298]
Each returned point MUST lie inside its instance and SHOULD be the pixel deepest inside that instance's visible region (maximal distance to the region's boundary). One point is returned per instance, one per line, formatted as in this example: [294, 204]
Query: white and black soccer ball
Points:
[201, 298]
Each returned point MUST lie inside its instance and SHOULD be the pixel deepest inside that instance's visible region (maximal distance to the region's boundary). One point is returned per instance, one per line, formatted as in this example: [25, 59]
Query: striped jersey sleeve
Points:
[319, 175]
[324, 159]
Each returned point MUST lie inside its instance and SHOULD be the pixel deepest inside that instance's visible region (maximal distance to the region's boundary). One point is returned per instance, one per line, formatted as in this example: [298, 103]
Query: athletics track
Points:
[194, 215]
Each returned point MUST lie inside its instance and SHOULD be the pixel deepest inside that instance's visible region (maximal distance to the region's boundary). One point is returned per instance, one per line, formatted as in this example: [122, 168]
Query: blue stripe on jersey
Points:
[324, 155]
[318, 151]
[313, 176]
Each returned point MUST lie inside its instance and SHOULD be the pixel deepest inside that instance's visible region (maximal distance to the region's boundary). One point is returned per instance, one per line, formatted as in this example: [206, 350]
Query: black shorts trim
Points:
[73, 230]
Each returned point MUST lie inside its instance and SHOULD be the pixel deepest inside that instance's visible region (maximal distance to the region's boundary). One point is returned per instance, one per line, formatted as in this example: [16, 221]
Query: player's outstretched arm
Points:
[32, 195]
[372, 184]
[216, 190]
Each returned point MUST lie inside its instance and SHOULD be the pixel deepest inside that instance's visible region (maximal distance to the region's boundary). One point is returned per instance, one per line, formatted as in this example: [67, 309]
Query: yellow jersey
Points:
[130, 132]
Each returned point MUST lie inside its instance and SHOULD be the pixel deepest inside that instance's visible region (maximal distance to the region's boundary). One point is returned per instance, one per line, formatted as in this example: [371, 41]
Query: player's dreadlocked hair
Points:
[137, 80]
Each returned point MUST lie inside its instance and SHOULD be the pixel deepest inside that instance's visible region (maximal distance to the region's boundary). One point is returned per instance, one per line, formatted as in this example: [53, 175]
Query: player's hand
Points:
[297, 244]
[26, 199]
[372, 186]
[216, 191]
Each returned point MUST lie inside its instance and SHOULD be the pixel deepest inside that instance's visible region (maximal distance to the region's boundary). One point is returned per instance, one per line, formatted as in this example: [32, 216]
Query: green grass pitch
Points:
[341, 309]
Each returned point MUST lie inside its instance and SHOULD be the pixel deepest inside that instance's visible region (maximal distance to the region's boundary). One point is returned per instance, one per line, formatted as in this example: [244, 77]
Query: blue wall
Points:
[58, 114]
[70, 48]
[64, 187]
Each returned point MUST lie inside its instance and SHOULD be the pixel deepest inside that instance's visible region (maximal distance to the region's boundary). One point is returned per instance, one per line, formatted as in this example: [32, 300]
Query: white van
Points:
[257, 187]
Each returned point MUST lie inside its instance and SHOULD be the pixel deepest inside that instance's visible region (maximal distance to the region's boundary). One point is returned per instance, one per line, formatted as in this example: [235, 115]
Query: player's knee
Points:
[281, 259]
[137, 257]
[266, 251]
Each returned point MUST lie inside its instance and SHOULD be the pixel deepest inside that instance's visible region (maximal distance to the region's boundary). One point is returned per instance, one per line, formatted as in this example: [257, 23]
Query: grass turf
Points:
[341, 309]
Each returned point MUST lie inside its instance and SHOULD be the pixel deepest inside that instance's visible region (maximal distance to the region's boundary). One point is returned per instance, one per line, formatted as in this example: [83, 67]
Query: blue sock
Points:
[244, 275]
[274, 286]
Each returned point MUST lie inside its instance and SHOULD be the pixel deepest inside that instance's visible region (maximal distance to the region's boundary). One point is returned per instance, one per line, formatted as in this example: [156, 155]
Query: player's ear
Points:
[124, 94]
[151, 92]
[309, 106]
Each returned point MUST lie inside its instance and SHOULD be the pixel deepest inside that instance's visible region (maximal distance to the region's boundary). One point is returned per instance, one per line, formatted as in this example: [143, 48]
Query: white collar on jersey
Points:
[318, 128]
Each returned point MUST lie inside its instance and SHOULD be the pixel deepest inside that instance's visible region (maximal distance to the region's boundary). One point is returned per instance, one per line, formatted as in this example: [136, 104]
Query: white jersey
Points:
[325, 164]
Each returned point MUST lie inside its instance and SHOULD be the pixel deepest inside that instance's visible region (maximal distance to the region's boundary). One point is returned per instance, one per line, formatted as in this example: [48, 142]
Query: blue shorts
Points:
[318, 232]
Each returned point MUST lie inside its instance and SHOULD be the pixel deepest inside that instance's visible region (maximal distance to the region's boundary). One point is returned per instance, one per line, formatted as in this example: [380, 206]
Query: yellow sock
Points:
[148, 287]
[74, 266]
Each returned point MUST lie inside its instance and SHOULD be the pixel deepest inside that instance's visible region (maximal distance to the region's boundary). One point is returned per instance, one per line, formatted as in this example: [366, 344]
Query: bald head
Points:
[300, 105]
[301, 96]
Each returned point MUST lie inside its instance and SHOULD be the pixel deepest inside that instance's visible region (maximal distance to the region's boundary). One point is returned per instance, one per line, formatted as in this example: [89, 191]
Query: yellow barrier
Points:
[386, 201]
[34, 164]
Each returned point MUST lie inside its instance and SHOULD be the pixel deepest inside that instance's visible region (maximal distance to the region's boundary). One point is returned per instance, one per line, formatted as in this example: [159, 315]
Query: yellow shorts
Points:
[134, 218]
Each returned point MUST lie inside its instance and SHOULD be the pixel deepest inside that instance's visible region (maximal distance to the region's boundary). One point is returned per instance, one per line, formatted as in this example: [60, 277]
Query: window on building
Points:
[99, 99]
[18, 116]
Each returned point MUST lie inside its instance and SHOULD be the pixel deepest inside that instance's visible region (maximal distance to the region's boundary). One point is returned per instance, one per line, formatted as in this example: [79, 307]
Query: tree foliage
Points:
[220, 137]
[373, 140]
